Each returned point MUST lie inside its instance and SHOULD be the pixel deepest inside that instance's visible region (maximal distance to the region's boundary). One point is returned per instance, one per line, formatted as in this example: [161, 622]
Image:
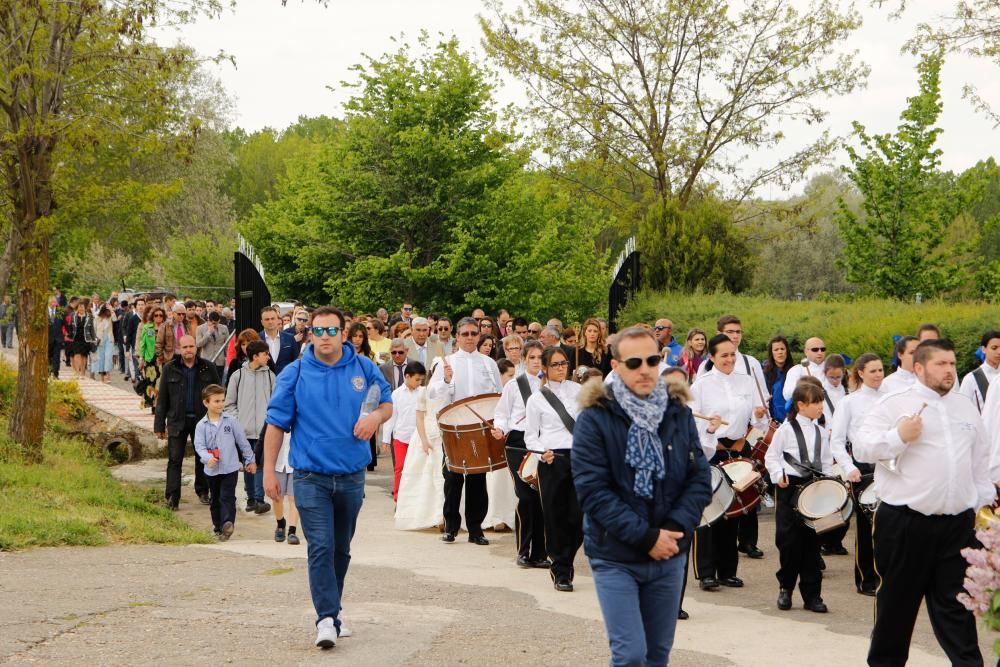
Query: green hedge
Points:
[851, 326]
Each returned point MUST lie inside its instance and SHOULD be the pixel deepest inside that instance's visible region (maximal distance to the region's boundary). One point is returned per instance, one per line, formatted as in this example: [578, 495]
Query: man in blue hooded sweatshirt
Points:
[319, 398]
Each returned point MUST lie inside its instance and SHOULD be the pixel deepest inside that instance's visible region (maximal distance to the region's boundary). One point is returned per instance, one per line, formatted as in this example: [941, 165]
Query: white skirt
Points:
[503, 502]
[420, 502]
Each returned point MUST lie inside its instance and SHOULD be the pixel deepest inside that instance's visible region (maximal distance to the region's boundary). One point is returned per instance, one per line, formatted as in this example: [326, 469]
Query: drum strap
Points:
[560, 409]
[981, 382]
[524, 387]
[800, 437]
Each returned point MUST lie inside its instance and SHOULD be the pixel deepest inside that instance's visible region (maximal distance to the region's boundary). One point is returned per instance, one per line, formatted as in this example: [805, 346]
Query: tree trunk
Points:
[31, 263]
[7, 262]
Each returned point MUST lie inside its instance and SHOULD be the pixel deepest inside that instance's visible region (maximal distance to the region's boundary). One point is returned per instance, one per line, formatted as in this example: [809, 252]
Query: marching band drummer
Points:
[550, 417]
[799, 447]
[723, 396]
[834, 381]
[462, 374]
[929, 499]
[509, 419]
[866, 382]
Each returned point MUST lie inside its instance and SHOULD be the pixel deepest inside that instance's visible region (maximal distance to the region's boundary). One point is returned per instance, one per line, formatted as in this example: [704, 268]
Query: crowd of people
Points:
[619, 443]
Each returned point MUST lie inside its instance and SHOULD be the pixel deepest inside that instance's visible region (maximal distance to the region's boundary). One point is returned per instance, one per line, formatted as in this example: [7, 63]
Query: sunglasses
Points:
[319, 331]
[817, 349]
[633, 363]
[398, 352]
[444, 329]
[662, 328]
[534, 331]
[407, 310]
[301, 319]
[559, 364]
[466, 334]
[160, 315]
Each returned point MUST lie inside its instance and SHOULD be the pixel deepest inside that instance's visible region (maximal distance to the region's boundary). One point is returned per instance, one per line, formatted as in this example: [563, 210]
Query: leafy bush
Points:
[847, 325]
[64, 403]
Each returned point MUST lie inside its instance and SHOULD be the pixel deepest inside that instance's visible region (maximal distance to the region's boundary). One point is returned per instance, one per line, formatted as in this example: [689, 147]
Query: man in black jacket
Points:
[57, 333]
[178, 409]
[130, 330]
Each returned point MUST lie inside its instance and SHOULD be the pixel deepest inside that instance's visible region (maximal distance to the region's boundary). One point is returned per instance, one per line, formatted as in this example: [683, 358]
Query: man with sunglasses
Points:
[322, 401]
[405, 314]
[443, 336]
[393, 370]
[642, 481]
[814, 361]
[465, 373]
[664, 332]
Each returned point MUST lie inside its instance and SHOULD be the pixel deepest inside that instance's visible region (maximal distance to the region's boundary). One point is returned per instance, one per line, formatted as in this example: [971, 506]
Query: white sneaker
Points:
[344, 630]
[326, 633]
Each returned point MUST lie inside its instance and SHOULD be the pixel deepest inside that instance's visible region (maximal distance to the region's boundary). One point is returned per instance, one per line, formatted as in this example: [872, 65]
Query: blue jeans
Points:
[639, 602]
[254, 484]
[328, 513]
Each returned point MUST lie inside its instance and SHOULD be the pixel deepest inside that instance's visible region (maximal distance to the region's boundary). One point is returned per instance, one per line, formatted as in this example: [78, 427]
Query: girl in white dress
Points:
[421, 486]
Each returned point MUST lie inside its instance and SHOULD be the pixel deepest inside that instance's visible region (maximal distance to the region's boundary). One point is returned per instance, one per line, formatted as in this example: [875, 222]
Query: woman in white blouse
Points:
[732, 403]
[866, 384]
[547, 433]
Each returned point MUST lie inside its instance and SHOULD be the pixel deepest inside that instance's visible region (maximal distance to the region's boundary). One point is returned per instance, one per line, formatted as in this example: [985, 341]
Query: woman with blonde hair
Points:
[592, 348]
[694, 352]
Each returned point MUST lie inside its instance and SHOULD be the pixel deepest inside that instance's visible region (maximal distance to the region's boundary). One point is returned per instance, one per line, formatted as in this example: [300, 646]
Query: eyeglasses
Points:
[558, 364]
[485, 325]
[444, 329]
[512, 348]
[155, 315]
[661, 328]
[633, 363]
[319, 331]
[407, 310]
[817, 349]
[466, 334]
[301, 319]
[398, 352]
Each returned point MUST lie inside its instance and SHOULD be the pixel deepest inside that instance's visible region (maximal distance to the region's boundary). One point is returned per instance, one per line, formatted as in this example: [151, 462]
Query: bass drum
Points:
[722, 498]
[746, 484]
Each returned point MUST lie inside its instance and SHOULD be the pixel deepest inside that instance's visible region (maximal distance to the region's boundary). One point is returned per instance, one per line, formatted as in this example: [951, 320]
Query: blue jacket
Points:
[287, 353]
[617, 524]
[674, 356]
[320, 405]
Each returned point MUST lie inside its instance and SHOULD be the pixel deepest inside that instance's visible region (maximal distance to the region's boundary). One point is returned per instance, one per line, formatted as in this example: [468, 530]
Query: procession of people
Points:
[654, 457]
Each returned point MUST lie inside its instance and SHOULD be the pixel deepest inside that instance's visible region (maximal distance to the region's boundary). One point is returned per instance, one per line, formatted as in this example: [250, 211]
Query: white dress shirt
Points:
[970, 388]
[836, 395]
[472, 374]
[796, 373]
[784, 440]
[945, 470]
[742, 362]
[991, 421]
[897, 380]
[510, 412]
[733, 397]
[543, 427]
[273, 344]
[403, 422]
[847, 420]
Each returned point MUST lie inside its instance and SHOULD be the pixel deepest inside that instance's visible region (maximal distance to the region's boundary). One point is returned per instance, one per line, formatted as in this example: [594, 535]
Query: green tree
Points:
[679, 91]
[895, 248]
[72, 72]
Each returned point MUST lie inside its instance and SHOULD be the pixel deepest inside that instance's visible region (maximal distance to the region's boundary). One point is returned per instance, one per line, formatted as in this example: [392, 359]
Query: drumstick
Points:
[708, 419]
[532, 451]
[805, 365]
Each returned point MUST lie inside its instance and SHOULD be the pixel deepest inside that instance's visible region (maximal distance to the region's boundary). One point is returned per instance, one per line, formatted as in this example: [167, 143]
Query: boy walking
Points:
[398, 431]
[247, 396]
[220, 443]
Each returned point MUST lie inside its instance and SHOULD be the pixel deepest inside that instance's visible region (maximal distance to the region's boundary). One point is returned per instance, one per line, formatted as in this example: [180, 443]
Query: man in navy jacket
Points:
[281, 344]
[642, 482]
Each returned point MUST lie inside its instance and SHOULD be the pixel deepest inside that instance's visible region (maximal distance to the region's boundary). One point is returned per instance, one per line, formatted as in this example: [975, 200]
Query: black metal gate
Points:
[251, 290]
[624, 282]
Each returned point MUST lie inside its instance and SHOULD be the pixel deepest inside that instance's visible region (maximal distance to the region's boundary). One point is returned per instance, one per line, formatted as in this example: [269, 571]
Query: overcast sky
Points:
[288, 58]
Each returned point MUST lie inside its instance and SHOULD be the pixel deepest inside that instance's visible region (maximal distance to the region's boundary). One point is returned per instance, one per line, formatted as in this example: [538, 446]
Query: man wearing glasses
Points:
[443, 336]
[392, 370]
[535, 330]
[664, 332]
[465, 373]
[329, 452]
[405, 314]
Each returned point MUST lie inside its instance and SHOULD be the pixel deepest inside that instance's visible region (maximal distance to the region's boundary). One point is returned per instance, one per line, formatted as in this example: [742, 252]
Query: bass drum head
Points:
[821, 498]
[469, 411]
[722, 498]
[739, 470]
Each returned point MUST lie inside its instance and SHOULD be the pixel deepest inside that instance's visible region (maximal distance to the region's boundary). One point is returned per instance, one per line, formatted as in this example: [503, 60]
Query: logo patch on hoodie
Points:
[358, 382]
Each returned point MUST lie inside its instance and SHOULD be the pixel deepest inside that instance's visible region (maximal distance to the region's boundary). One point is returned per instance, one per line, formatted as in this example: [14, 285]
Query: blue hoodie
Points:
[320, 405]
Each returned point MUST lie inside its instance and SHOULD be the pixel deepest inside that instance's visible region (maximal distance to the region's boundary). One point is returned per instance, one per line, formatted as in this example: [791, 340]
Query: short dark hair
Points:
[414, 368]
[531, 344]
[901, 344]
[327, 310]
[988, 336]
[834, 361]
[519, 322]
[550, 352]
[255, 347]
[505, 365]
[929, 327]
[929, 347]
[270, 308]
[467, 321]
[721, 323]
[214, 316]
[212, 390]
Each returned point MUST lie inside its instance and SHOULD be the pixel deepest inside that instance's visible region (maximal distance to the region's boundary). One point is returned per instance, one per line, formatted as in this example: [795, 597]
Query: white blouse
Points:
[847, 420]
[733, 397]
[511, 412]
[785, 441]
[544, 429]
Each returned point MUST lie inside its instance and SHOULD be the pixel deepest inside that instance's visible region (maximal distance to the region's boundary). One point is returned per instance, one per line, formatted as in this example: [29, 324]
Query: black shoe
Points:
[683, 615]
[870, 592]
[204, 499]
[784, 599]
[448, 537]
[752, 551]
[173, 504]
[523, 562]
[480, 540]
[822, 564]
[563, 585]
[279, 534]
[836, 550]
[709, 584]
[732, 582]
[251, 505]
[816, 605]
[262, 508]
[543, 564]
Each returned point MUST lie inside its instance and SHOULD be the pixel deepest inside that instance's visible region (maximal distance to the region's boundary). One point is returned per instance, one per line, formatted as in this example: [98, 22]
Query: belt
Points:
[906, 509]
[729, 443]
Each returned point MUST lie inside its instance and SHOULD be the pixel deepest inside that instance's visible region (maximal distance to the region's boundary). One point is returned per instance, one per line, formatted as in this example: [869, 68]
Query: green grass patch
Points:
[278, 570]
[849, 325]
[72, 499]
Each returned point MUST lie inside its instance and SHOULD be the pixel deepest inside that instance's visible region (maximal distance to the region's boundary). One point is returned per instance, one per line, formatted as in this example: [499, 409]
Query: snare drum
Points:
[824, 504]
[865, 496]
[746, 484]
[528, 470]
[722, 498]
[467, 437]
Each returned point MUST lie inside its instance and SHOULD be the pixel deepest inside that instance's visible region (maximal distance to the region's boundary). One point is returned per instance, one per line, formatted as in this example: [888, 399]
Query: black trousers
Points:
[176, 444]
[562, 515]
[55, 349]
[864, 552]
[223, 507]
[715, 552]
[798, 544]
[529, 526]
[476, 501]
[835, 538]
[918, 558]
[749, 525]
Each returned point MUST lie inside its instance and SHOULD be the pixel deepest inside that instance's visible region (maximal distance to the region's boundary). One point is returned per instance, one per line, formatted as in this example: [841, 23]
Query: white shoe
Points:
[326, 633]
[344, 630]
